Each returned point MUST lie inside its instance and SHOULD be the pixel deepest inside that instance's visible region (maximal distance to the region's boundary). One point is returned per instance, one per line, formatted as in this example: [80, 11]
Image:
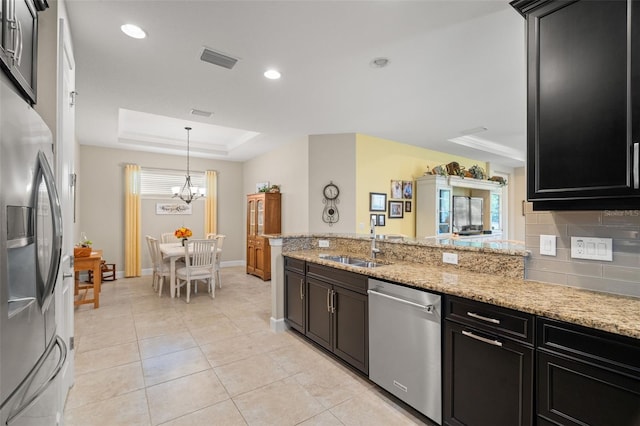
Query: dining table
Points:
[174, 252]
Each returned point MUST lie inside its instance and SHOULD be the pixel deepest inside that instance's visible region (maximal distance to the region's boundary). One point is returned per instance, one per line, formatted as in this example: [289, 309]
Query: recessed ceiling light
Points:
[133, 31]
[272, 74]
[379, 62]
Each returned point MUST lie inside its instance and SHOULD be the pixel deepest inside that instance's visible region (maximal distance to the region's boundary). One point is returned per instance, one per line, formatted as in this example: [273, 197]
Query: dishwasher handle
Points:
[426, 308]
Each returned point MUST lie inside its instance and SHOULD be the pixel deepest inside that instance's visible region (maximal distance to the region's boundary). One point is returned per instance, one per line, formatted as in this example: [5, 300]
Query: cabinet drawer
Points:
[494, 319]
[292, 264]
[587, 344]
[346, 279]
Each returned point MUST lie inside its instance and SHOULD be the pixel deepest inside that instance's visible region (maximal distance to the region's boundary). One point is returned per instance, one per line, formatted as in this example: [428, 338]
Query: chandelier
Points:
[188, 192]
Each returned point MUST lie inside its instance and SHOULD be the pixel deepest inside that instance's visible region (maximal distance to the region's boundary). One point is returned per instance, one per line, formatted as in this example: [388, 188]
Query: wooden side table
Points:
[88, 263]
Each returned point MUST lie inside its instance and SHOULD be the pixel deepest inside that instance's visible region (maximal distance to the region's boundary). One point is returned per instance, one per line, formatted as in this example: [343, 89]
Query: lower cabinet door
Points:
[351, 318]
[318, 326]
[488, 381]
[294, 299]
[572, 393]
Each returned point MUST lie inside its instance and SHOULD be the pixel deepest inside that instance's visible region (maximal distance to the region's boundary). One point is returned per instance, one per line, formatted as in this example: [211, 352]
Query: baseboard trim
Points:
[278, 325]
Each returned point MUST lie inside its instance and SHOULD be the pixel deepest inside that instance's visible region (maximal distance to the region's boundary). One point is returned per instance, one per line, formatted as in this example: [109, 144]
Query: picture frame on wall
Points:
[396, 209]
[373, 218]
[407, 189]
[381, 220]
[407, 206]
[377, 202]
[396, 189]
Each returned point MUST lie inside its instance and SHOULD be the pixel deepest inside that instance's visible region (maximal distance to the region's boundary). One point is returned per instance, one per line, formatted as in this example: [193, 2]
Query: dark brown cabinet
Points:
[294, 288]
[335, 311]
[488, 365]
[263, 217]
[19, 43]
[583, 124]
[586, 377]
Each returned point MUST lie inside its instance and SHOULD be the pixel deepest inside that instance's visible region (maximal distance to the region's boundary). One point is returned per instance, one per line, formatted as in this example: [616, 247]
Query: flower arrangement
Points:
[183, 232]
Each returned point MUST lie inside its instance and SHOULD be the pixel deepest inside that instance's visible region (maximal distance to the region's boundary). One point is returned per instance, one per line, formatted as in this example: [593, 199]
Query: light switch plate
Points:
[323, 243]
[592, 248]
[548, 245]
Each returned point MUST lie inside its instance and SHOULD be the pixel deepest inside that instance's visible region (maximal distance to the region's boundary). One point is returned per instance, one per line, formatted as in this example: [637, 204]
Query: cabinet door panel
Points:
[486, 385]
[575, 393]
[579, 98]
[294, 302]
[350, 328]
[319, 319]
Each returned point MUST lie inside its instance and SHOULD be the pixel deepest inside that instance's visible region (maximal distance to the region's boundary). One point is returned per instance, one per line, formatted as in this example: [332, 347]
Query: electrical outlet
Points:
[450, 258]
[323, 243]
[592, 248]
[548, 245]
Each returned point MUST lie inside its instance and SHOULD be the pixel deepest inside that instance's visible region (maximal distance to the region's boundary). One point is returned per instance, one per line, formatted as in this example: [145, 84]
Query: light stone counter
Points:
[616, 314]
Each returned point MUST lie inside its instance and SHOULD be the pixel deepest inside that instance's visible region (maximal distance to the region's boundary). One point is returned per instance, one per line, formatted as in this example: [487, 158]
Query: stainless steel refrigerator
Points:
[31, 354]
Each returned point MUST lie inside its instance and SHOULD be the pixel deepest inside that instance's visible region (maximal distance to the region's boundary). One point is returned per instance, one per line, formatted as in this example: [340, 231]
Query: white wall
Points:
[101, 200]
[332, 158]
[288, 167]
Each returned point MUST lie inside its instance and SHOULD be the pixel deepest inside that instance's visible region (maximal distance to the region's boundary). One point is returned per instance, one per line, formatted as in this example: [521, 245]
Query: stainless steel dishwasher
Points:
[404, 345]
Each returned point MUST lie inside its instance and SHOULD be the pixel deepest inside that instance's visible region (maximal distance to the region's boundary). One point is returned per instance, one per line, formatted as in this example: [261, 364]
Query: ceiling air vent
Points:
[217, 58]
[201, 113]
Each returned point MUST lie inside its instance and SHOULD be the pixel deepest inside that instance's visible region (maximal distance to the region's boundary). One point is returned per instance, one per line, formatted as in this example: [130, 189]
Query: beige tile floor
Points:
[148, 360]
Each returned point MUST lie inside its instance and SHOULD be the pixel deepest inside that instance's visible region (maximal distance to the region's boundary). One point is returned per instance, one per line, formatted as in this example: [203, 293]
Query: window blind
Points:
[157, 183]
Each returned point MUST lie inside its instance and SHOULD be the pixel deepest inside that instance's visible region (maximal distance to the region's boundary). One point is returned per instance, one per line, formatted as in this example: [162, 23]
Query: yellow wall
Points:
[378, 161]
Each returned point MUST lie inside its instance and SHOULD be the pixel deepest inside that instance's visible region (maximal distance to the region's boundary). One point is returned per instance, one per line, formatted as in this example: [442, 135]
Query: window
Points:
[496, 212]
[157, 183]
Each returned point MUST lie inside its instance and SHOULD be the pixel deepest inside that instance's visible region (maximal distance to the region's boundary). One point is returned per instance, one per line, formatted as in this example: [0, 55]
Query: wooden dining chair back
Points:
[168, 237]
[200, 261]
[220, 239]
[161, 269]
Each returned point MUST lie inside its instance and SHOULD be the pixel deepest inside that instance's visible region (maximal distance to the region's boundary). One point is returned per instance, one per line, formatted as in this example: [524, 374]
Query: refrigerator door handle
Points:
[33, 398]
[56, 213]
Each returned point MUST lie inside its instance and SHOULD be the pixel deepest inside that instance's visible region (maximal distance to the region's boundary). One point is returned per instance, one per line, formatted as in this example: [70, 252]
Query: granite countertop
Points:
[602, 311]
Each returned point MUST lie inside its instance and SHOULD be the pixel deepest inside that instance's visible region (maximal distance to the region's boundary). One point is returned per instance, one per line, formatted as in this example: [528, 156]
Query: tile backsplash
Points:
[620, 276]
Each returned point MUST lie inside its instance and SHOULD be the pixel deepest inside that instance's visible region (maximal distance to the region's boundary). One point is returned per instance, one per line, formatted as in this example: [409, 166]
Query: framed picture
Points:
[261, 185]
[374, 219]
[377, 202]
[407, 206]
[396, 189]
[381, 220]
[396, 209]
[407, 189]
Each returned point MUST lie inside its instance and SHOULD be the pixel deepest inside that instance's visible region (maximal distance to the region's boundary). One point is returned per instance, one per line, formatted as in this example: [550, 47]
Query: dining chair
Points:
[200, 262]
[161, 269]
[168, 237]
[220, 239]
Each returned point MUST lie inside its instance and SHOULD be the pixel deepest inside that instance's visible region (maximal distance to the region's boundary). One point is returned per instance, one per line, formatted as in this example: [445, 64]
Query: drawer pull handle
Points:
[482, 339]
[482, 318]
[301, 288]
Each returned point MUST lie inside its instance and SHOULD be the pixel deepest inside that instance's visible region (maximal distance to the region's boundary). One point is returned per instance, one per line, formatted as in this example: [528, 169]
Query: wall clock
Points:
[330, 212]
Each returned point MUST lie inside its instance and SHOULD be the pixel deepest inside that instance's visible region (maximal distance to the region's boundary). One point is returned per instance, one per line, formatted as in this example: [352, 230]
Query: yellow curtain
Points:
[132, 261]
[210, 203]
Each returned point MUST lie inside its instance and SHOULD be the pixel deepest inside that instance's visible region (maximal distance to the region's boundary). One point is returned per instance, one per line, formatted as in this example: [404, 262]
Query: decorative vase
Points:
[184, 241]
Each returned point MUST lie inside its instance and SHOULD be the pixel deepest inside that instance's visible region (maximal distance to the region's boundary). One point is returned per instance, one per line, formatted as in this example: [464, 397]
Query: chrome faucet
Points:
[374, 250]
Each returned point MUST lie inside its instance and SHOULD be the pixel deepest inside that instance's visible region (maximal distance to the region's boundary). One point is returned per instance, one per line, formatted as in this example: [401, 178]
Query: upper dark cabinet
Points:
[19, 43]
[583, 111]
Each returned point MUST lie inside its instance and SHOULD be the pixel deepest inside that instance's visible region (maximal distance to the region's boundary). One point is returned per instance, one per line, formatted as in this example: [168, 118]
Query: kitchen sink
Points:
[353, 261]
